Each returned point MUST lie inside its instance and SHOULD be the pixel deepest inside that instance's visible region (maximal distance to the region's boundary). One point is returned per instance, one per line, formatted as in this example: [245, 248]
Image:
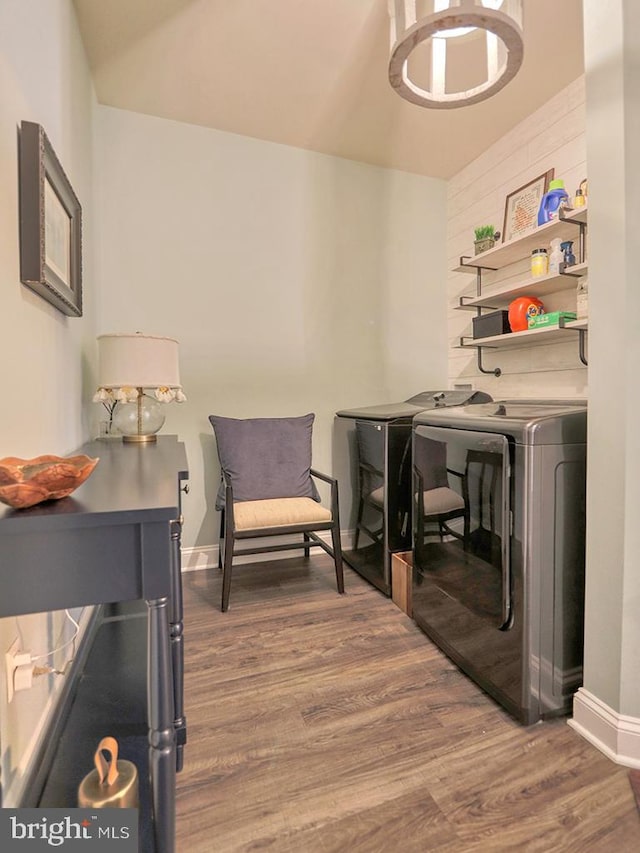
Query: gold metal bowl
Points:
[26, 482]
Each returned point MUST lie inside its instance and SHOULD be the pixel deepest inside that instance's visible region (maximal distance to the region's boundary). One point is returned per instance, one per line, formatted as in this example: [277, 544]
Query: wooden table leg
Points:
[177, 644]
[162, 748]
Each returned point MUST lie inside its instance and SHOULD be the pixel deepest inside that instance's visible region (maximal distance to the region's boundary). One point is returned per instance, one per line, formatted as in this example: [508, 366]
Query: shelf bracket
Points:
[464, 305]
[496, 370]
[582, 336]
[464, 262]
[479, 347]
[583, 241]
[565, 270]
[581, 352]
[582, 226]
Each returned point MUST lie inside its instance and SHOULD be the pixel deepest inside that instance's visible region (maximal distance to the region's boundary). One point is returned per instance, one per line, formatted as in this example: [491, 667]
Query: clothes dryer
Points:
[379, 446]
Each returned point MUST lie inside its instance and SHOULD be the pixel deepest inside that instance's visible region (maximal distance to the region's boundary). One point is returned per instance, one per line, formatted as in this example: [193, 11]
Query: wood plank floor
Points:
[321, 723]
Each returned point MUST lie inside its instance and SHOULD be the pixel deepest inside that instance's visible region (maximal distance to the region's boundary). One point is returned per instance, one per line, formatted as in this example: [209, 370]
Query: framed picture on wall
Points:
[50, 224]
[521, 208]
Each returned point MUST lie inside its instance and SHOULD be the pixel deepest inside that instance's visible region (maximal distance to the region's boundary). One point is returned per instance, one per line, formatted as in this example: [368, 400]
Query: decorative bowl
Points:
[26, 482]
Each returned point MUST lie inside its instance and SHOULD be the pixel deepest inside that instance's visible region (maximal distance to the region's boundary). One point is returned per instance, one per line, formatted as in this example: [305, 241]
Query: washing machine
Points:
[499, 500]
[378, 441]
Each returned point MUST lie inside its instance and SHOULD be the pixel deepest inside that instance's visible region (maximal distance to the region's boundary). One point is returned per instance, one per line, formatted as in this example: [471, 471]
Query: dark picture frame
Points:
[50, 224]
[521, 207]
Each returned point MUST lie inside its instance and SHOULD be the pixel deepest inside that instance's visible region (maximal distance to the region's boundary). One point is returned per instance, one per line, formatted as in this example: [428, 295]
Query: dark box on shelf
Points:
[496, 323]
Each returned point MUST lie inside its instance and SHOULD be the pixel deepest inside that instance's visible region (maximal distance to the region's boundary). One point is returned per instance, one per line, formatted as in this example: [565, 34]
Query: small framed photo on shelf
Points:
[521, 208]
[50, 224]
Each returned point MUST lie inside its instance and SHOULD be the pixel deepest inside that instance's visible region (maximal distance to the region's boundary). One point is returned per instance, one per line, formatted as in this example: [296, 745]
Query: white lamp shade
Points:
[137, 361]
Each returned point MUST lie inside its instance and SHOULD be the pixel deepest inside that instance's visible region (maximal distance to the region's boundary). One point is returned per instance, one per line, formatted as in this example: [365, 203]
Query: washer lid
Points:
[414, 405]
[529, 421]
[384, 412]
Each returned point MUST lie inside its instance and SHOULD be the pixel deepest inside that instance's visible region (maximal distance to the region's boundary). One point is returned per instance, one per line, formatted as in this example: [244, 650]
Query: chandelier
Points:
[438, 56]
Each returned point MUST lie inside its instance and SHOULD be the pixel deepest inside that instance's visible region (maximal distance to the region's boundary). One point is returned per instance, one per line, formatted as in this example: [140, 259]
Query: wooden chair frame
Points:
[229, 536]
[443, 517]
[367, 476]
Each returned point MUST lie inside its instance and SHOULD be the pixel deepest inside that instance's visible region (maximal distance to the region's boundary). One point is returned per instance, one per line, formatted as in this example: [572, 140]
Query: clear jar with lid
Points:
[579, 199]
[539, 262]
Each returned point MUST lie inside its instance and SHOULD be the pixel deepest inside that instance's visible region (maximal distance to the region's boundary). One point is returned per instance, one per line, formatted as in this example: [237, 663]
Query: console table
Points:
[116, 539]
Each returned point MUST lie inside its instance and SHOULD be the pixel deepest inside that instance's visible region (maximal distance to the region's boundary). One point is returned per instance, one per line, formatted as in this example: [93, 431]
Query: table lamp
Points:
[129, 365]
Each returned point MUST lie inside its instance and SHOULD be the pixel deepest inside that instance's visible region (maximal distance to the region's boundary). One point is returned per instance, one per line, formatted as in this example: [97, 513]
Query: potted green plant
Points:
[486, 236]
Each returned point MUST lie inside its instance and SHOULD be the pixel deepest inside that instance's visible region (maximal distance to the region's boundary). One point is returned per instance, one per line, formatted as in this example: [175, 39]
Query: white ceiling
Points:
[310, 73]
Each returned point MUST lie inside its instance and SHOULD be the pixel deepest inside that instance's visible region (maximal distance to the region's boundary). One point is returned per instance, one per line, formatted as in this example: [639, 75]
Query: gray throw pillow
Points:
[265, 457]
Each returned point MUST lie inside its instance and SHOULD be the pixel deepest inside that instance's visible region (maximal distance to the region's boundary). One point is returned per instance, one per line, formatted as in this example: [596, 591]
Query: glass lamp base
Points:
[139, 421]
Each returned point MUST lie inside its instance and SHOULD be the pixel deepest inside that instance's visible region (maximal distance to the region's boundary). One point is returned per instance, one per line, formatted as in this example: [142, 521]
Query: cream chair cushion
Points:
[377, 496]
[441, 500]
[278, 512]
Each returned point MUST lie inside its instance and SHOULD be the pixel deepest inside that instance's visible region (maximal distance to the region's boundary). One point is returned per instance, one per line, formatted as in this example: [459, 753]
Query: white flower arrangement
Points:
[125, 394]
[104, 395]
[110, 397]
[170, 395]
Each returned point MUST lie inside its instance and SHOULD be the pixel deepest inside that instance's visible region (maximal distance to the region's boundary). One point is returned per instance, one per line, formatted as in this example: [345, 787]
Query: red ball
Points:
[521, 309]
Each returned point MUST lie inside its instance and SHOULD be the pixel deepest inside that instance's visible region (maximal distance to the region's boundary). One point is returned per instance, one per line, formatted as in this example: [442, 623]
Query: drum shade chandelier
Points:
[446, 36]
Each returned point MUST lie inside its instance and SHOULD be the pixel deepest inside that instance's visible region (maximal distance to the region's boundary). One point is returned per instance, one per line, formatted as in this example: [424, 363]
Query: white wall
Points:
[301, 282]
[553, 137]
[43, 78]
[590, 117]
[284, 274]
[612, 617]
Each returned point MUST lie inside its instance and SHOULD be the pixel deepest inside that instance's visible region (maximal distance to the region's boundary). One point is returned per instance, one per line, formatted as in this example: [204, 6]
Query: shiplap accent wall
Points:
[552, 137]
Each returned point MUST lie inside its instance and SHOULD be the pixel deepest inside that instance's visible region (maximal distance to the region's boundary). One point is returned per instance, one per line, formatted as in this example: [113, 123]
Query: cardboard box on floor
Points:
[401, 573]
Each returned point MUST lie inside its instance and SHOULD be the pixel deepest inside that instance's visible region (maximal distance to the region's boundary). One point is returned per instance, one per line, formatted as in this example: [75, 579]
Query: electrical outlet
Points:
[10, 666]
[17, 662]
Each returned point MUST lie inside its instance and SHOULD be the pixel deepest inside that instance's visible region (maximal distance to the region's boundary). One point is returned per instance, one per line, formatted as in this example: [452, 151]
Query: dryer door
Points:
[462, 517]
[462, 594]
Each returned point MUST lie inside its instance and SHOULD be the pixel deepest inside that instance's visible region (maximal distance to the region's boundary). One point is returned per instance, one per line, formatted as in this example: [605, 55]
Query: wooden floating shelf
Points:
[540, 286]
[501, 296]
[578, 214]
[581, 325]
[576, 270]
[526, 338]
[518, 248]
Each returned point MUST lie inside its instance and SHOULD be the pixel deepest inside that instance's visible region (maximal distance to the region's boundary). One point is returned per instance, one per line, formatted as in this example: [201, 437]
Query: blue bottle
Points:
[567, 249]
[552, 201]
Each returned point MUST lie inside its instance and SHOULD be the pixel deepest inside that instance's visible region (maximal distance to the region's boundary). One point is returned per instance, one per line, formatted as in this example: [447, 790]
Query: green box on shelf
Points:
[543, 321]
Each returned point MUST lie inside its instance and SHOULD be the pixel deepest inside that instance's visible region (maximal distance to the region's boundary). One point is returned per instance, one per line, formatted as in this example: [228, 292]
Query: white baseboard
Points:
[203, 557]
[206, 556]
[617, 735]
